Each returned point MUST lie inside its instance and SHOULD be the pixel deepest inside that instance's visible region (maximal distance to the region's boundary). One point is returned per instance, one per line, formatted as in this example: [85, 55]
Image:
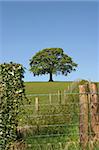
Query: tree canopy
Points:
[51, 61]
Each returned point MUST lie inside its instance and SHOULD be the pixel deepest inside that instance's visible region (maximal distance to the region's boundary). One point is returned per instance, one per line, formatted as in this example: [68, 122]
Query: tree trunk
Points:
[51, 79]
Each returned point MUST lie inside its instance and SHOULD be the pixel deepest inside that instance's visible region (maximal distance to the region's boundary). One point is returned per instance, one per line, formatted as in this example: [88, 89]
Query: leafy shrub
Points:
[11, 96]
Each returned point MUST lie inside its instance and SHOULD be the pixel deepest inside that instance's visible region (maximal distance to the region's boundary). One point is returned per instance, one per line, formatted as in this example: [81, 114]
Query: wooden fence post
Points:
[36, 104]
[59, 97]
[65, 95]
[50, 99]
[68, 88]
[83, 100]
[94, 111]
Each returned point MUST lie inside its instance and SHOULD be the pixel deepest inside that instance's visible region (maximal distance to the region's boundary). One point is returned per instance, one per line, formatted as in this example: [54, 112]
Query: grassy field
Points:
[38, 89]
[55, 136]
[45, 87]
[48, 126]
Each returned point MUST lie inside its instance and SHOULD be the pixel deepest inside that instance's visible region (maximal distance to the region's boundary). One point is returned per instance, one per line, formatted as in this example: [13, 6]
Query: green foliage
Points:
[51, 61]
[11, 95]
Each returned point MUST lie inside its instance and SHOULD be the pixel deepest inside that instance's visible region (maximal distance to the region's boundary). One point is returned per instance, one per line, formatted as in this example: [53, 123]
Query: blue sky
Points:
[29, 26]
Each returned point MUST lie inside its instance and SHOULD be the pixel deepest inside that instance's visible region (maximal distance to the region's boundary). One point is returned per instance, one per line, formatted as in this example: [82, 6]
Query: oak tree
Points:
[51, 61]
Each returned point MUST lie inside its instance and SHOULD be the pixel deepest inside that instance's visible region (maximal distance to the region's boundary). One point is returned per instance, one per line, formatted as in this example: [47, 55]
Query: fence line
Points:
[52, 115]
[85, 118]
[54, 104]
[54, 125]
[69, 134]
[55, 94]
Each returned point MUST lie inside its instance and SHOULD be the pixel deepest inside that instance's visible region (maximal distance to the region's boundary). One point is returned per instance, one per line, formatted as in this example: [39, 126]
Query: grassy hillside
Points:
[53, 121]
[45, 87]
[55, 126]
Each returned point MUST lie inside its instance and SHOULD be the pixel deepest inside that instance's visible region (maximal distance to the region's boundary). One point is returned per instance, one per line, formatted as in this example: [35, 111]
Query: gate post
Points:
[83, 119]
[94, 110]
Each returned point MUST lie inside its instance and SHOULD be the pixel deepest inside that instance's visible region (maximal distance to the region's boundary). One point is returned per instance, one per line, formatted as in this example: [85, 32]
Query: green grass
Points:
[51, 142]
[45, 87]
[48, 88]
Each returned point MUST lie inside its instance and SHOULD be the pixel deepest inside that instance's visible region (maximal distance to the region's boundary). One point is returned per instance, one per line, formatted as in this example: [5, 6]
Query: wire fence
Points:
[60, 121]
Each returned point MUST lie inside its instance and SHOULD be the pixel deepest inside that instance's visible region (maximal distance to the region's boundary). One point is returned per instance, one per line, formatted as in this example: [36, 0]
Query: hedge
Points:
[12, 92]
